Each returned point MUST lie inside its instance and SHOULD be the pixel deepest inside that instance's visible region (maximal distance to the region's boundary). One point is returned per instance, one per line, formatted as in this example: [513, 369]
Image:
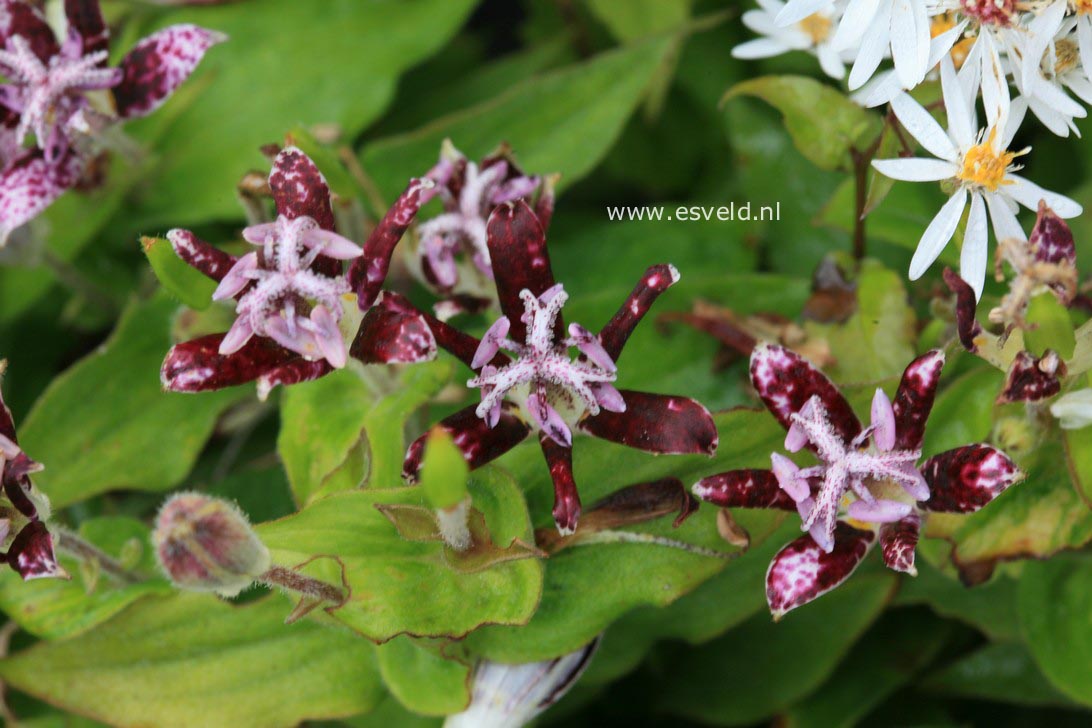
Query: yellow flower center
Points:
[1083, 7]
[985, 167]
[1066, 55]
[818, 26]
[941, 24]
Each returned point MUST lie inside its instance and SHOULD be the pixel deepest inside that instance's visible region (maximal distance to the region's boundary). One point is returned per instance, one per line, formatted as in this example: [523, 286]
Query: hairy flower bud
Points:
[206, 544]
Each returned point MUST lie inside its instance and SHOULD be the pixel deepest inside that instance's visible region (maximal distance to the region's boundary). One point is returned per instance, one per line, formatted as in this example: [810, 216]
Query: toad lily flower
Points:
[977, 163]
[64, 94]
[541, 388]
[289, 295]
[868, 484]
[22, 518]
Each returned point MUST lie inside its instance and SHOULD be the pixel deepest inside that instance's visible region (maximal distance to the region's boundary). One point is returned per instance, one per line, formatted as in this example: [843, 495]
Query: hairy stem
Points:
[301, 583]
[72, 544]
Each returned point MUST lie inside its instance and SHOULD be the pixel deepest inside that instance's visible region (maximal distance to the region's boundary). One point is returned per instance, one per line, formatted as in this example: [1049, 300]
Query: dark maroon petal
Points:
[966, 323]
[1031, 379]
[517, 249]
[17, 484]
[158, 65]
[459, 304]
[785, 381]
[85, 20]
[744, 489]
[914, 399]
[206, 258]
[898, 541]
[657, 423]
[369, 271]
[802, 571]
[566, 499]
[655, 281]
[294, 372]
[31, 554]
[393, 332]
[198, 365]
[31, 185]
[20, 18]
[460, 345]
[299, 189]
[479, 443]
[967, 478]
[7, 422]
[1051, 240]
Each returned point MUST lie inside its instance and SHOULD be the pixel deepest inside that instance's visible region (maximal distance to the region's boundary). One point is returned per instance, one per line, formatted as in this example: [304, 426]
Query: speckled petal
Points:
[479, 443]
[86, 25]
[517, 249]
[656, 280]
[898, 541]
[295, 371]
[31, 554]
[786, 381]
[744, 489]
[967, 478]
[206, 258]
[369, 271]
[158, 65]
[198, 365]
[31, 185]
[801, 572]
[299, 189]
[1051, 240]
[914, 399]
[566, 498]
[393, 332]
[18, 17]
[1032, 379]
[657, 423]
[966, 323]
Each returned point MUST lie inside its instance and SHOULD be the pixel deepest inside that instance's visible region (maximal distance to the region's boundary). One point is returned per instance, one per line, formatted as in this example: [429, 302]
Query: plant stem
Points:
[72, 544]
[67, 274]
[297, 582]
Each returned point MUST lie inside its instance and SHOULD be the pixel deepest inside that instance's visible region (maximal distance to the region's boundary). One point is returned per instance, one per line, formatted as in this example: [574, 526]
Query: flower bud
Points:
[206, 544]
[509, 696]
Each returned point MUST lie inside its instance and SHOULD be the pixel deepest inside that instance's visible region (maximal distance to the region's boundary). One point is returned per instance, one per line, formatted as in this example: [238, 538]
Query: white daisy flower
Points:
[899, 28]
[978, 164]
[794, 11]
[814, 34]
[1051, 63]
[886, 85]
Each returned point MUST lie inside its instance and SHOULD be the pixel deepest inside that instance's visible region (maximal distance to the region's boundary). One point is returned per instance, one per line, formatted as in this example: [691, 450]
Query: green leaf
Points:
[989, 607]
[886, 658]
[106, 423]
[177, 277]
[963, 411]
[564, 121]
[1055, 609]
[575, 606]
[1051, 327]
[267, 79]
[52, 608]
[636, 19]
[877, 342]
[1003, 673]
[443, 471]
[322, 428]
[389, 575]
[762, 667]
[1078, 453]
[825, 138]
[194, 660]
[422, 679]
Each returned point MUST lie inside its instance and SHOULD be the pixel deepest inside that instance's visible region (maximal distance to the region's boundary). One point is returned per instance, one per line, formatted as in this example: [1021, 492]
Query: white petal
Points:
[972, 259]
[956, 104]
[916, 169]
[1055, 121]
[759, 48]
[1084, 40]
[1005, 224]
[908, 49]
[830, 62]
[796, 10]
[871, 53]
[1028, 194]
[880, 90]
[1017, 112]
[1040, 32]
[995, 85]
[923, 127]
[856, 19]
[937, 235]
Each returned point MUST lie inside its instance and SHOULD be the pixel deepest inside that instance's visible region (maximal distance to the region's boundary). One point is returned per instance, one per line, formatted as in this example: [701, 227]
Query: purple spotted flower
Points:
[540, 386]
[868, 485]
[28, 543]
[290, 294]
[59, 96]
[452, 255]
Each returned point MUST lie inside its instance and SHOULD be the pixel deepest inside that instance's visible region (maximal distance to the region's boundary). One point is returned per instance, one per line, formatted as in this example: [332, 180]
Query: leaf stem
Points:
[295, 581]
[74, 545]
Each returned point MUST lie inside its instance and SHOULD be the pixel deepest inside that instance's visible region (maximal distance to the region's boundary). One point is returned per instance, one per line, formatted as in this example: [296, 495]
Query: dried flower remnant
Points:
[293, 300]
[60, 97]
[29, 546]
[868, 485]
[542, 388]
